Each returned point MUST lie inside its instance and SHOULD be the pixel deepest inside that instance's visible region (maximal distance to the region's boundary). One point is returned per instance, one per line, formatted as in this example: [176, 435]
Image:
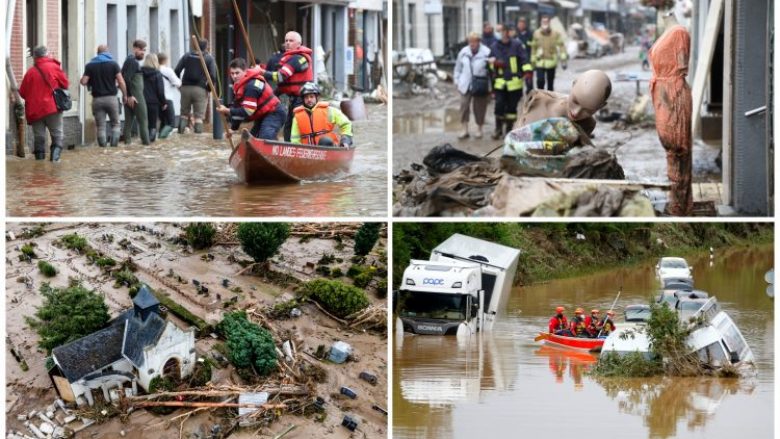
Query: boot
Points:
[56, 150]
[508, 127]
[40, 155]
[115, 139]
[464, 133]
[499, 131]
[39, 149]
[101, 141]
[198, 127]
[152, 135]
[182, 125]
[166, 131]
[478, 134]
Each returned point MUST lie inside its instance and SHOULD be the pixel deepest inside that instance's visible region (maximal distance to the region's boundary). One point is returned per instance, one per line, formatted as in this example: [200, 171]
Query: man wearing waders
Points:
[135, 108]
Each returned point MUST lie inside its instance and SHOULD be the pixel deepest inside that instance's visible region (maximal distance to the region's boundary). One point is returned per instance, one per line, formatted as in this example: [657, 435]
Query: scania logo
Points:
[434, 282]
[430, 328]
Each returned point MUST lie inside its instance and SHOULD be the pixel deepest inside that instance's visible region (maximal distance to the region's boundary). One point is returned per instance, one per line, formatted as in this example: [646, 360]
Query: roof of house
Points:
[145, 299]
[139, 335]
[88, 354]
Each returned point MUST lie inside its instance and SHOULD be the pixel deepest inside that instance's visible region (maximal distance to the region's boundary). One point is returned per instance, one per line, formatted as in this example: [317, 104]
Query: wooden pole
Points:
[250, 53]
[208, 404]
[18, 109]
[211, 85]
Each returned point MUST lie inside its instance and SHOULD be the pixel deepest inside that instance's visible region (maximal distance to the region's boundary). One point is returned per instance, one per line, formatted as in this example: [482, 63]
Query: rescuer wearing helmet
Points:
[558, 324]
[314, 122]
[592, 323]
[577, 325]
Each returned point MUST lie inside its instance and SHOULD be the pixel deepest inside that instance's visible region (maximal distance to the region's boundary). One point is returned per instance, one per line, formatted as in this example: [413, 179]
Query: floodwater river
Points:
[505, 385]
[189, 176]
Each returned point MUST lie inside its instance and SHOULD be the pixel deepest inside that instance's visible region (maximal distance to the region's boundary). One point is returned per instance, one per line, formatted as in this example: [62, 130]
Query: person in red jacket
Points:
[592, 323]
[577, 325]
[558, 324]
[608, 325]
[295, 69]
[37, 89]
[255, 101]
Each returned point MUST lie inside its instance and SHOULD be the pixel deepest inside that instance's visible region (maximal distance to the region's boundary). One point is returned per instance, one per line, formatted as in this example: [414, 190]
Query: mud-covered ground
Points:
[155, 255]
[424, 121]
[189, 175]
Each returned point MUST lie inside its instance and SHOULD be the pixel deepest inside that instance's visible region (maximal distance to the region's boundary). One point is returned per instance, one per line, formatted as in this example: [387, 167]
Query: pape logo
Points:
[433, 282]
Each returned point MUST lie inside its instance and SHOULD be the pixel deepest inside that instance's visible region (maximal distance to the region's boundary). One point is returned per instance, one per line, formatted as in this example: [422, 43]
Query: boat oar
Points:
[246, 35]
[610, 309]
[211, 86]
[542, 336]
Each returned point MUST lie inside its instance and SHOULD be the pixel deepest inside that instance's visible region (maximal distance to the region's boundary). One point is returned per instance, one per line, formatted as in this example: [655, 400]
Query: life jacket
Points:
[577, 325]
[314, 124]
[267, 101]
[292, 85]
[561, 323]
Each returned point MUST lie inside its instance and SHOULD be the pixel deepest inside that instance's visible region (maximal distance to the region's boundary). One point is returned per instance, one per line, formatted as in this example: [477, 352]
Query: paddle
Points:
[211, 87]
[542, 336]
[610, 308]
[246, 35]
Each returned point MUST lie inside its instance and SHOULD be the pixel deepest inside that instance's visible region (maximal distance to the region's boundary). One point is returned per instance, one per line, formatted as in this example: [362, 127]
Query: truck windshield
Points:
[432, 305]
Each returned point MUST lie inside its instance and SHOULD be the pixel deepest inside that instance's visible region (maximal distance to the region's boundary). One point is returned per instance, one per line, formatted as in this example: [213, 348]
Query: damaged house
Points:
[136, 347]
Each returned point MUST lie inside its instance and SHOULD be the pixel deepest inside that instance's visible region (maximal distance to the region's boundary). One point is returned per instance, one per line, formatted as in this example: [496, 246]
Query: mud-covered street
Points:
[172, 268]
[425, 121]
[189, 175]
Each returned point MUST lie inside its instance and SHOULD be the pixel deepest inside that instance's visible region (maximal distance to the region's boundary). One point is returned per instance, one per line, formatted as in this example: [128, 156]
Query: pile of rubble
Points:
[57, 421]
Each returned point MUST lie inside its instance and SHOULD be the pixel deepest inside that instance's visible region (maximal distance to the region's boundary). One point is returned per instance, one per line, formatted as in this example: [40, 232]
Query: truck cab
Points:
[461, 288]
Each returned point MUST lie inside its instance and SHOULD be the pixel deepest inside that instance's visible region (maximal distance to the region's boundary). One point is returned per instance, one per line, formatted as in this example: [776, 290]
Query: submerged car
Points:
[673, 268]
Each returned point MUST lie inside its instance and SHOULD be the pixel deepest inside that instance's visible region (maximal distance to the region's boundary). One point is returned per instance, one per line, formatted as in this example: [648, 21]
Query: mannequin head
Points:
[589, 93]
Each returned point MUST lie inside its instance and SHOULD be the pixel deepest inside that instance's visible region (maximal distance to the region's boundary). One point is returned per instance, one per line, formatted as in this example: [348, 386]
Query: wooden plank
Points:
[63, 386]
[704, 63]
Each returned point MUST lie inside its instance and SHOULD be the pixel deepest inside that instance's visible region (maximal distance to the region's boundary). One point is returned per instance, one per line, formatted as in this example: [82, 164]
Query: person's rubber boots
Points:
[152, 135]
[464, 132]
[40, 151]
[56, 150]
[101, 141]
[198, 127]
[182, 125]
[478, 134]
[498, 132]
[165, 131]
[115, 139]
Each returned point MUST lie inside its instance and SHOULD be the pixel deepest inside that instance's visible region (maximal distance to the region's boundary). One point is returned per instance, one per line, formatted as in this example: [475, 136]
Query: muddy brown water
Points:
[506, 385]
[189, 175]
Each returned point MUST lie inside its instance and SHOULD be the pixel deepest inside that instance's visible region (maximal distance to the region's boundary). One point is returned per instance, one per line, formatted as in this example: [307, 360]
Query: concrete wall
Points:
[424, 31]
[173, 343]
[82, 389]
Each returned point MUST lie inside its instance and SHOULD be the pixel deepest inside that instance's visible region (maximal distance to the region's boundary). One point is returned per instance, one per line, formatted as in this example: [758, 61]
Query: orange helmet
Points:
[610, 313]
[594, 311]
[560, 309]
[579, 311]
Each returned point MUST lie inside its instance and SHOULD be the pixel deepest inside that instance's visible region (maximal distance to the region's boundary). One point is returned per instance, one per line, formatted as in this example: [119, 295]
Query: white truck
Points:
[460, 290]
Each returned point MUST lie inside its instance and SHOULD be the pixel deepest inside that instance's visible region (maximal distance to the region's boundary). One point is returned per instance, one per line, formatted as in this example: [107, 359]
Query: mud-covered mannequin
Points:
[673, 110]
[589, 93]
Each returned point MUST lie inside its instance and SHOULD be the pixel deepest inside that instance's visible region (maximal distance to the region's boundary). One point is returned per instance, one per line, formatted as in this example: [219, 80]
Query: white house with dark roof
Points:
[136, 347]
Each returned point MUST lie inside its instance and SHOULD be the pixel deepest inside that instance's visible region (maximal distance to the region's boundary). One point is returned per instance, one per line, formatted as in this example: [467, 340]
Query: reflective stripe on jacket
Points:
[290, 78]
[509, 66]
[546, 49]
[310, 125]
[255, 97]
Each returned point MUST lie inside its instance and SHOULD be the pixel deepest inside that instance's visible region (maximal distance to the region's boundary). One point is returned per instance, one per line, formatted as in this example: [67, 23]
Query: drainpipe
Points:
[9, 21]
[365, 51]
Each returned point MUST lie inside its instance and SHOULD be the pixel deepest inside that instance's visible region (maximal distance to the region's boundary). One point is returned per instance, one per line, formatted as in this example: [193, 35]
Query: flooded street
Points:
[506, 385]
[189, 176]
[422, 122]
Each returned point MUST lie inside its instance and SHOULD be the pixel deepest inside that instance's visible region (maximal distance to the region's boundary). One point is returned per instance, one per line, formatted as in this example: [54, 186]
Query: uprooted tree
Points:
[337, 297]
[67, 314]
[248, 344]
[262, 240]
[200, 235]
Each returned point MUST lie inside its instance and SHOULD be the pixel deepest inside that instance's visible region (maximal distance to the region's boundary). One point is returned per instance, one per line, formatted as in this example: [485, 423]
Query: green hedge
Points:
[337, 297]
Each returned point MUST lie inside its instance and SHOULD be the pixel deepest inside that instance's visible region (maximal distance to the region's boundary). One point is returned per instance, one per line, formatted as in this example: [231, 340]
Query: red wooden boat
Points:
[577, 343]
[264, 161]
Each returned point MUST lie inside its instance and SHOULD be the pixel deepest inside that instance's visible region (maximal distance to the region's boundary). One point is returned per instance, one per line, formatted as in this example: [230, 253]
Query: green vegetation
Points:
[200, 235]
[553, 251]
[338, 298]
[366, 237]
[262, 240]
[67, 314]
[248, 344]
[28, 252]
[74, 242]
[362, 274]
[182, 312]
[282, 310]
[336, 272]
[47, 269]
[34, 232]
[105, 262]
[630, 365]
[326, 259]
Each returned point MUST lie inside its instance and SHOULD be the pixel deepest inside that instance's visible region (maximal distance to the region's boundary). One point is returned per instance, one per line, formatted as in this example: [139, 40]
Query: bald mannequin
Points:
[589, 93]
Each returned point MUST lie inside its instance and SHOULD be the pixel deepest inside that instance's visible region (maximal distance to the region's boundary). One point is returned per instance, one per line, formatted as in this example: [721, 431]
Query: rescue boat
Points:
[264, 161]
[576, 343]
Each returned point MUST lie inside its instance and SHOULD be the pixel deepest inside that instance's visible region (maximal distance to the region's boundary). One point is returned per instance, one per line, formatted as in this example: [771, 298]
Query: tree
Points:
[67, 314]
[337, 297]
[248, 344]
[366, 237]
[200, 235]
[262, 240]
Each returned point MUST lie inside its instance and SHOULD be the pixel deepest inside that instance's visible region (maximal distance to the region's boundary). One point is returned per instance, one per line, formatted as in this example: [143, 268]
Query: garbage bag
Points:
[445, 158]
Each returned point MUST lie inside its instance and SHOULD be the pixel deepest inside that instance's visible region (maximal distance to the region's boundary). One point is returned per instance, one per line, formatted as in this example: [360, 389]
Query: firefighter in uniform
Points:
[592, 323]
[294, 71]
[314, 123]
[546, 48]
[558, 324]
[508, 67]
[577, 327]
[255, 101]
